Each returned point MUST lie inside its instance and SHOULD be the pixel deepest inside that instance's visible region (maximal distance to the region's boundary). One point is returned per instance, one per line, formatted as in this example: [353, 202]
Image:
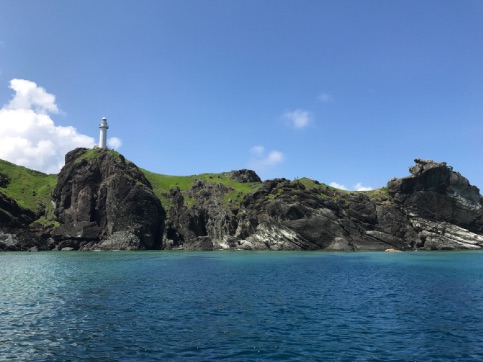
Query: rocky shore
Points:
[101, 201]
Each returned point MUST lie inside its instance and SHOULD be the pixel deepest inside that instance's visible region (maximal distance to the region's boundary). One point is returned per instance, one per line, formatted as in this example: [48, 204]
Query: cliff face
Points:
[14, 231]
[102, 201]
[442, 207]
[434, 208]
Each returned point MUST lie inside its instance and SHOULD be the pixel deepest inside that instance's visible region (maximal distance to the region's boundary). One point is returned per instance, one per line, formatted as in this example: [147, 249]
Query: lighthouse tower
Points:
[103, 133]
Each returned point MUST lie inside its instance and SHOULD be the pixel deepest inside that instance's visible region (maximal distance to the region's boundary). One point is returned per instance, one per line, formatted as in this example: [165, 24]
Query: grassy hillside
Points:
[163, 183]
[30, 189]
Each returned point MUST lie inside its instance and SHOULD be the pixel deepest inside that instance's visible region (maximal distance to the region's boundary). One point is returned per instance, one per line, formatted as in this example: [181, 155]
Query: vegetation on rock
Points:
[100, 200]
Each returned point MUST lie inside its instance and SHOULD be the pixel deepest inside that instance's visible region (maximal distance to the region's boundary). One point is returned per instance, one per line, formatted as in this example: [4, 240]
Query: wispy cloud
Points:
[29, 136]
[325, 98]
[262, 160]
[257, 150]
[356, 187]
[114, 142]
[298, 118]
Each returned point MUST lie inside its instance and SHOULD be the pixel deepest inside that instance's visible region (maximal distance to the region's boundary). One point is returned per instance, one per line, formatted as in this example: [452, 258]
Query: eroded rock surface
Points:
[105, 202]
[102, 201]
[434, 208]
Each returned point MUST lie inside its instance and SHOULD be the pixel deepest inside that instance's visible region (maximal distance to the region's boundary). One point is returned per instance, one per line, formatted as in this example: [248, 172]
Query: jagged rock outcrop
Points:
[442, 207]
[244, 176]
[204, 225]
[434, 208]
[104, 202]
[15, 234]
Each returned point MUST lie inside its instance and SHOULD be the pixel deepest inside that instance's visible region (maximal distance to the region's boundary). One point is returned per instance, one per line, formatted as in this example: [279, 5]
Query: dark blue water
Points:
[241, 306]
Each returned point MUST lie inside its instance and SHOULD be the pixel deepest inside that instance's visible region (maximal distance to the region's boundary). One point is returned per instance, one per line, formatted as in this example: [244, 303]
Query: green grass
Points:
[91, 153]
[378, 193]
[30, 189]
[163, 183]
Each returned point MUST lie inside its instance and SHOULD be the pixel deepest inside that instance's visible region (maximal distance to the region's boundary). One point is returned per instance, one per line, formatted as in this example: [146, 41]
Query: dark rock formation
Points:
[435, 208]
[244, 176]
[105, 202]
[14, 231]
[443, 208]
[4, 180]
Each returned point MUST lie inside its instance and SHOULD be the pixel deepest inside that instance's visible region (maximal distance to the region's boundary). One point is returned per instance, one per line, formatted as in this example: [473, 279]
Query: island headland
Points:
[102, 201]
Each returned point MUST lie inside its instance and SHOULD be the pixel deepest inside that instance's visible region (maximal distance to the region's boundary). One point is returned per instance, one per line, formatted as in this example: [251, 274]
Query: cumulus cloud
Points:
[114, 142]
[298, 118]
[29, 136]
[357, 187]
[360, 187]
[337, 186]
[263, 160]
[29, 96]
[325, 98]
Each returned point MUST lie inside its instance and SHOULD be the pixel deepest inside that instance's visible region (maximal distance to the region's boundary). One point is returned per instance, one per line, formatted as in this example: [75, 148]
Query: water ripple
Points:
[241, 306]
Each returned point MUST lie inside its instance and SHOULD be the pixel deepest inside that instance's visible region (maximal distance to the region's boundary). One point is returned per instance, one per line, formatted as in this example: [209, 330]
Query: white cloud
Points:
[337, 186]
[257, 150]
[325, 98]
[114, 142]
[29, 96]
[357, 187]
[298, 118]
[29, 137]
[263, 160]
[360, 187]
[273, 158]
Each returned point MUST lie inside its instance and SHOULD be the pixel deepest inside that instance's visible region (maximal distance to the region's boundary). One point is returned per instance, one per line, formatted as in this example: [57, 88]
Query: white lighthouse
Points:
[103, 133]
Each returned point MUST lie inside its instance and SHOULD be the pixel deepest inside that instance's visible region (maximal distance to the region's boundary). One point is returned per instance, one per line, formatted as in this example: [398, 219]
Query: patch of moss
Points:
[89, 154]
[96, 152]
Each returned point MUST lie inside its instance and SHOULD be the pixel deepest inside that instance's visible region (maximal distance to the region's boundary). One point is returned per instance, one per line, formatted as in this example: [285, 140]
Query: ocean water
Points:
[241, 306]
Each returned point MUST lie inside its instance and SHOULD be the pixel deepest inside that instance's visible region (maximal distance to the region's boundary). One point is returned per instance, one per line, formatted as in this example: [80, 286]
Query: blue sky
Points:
[345, 91]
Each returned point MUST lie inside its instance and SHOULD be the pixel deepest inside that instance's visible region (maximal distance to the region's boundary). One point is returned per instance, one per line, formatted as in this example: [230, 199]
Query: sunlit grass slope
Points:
[30, 189]
[162, 184]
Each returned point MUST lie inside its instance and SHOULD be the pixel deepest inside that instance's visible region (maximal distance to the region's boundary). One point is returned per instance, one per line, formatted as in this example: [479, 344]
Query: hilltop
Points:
[101, 201]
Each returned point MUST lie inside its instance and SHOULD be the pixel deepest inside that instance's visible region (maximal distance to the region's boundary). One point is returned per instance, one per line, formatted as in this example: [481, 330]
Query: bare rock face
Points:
[434, 208]
[244, 176]
[15, 234]
[442, 207]
[104, 202]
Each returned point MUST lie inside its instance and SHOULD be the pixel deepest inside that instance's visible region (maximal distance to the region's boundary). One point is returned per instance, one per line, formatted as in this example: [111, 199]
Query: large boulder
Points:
[103, 201]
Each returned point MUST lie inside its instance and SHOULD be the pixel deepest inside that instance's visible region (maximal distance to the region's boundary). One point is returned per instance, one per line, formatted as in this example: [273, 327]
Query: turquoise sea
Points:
[241, 306]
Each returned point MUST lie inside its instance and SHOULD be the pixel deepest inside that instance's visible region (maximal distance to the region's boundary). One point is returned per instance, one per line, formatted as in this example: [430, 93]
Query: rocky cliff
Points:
[102, 201]
[434, 208]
